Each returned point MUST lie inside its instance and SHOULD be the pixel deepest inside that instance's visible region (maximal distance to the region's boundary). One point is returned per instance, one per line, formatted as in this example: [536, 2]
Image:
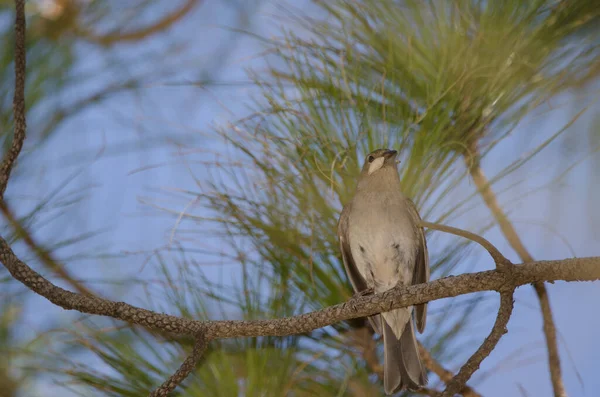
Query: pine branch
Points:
[472, 160]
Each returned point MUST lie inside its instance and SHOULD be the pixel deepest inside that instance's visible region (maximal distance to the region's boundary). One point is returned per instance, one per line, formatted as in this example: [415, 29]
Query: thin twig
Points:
[184, 370]
[445, 375]
[44, 255]
[472, 365]
[551, 340]
[473, 161]
[162, 24]
[500, 260]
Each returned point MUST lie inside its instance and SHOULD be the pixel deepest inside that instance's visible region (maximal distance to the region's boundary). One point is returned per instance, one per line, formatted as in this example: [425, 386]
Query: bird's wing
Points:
[358, 282]
[421, 271]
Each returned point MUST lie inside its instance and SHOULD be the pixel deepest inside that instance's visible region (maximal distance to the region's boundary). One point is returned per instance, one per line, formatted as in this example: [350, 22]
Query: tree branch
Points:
[473, 161]
[445, 375]
[20, 125]
[160, 25]
[551, 340]
[458, 382]
[44, 255]
[184, 370]
[501, 280]
[500, 260]
[576, 269]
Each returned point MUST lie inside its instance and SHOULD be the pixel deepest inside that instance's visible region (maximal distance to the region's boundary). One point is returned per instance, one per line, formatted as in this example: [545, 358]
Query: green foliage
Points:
[438, 80]
[9, 312]
[58, 86]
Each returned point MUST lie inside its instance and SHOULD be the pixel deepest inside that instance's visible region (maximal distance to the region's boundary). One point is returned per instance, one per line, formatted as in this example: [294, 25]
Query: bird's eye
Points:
[370, 159]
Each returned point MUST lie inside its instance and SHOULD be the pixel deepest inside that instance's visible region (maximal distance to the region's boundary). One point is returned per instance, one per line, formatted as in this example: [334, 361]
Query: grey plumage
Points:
[382, 246]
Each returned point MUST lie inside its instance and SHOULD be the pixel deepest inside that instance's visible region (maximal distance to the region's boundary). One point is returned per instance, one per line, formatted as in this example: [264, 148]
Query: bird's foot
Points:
[360, 294]
[364, 292]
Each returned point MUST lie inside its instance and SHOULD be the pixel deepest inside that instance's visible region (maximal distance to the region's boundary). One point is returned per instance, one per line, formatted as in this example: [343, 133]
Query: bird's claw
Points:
[360, 294]
[364, 292]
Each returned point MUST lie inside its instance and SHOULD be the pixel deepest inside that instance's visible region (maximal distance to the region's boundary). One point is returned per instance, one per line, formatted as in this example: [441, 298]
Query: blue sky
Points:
[173, 113]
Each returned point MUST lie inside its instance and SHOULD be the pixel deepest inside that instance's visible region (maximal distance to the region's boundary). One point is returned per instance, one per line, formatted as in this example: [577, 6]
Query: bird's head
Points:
[378, 160]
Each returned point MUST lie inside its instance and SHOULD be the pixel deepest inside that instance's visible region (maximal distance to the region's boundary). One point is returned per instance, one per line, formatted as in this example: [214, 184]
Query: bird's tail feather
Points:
[402, 363]
[411, 357]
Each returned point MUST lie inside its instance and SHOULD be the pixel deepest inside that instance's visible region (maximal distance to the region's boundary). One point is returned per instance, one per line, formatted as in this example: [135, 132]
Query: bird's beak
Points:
[390, 153]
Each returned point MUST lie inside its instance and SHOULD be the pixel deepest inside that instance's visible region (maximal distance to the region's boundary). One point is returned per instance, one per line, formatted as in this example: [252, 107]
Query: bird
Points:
[383, 246]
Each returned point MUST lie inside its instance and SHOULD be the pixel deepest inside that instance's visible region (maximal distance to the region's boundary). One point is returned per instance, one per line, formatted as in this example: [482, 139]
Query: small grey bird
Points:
[382, 246]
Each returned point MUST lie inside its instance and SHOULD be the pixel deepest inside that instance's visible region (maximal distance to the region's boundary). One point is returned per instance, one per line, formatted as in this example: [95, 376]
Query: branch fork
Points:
[504, 279]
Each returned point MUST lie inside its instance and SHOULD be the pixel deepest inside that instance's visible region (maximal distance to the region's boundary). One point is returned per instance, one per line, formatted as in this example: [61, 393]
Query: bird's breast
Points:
[383, 243]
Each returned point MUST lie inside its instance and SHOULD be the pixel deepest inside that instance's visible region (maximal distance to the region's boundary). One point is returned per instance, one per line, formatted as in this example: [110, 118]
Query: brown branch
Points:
[446, 376]
[499, 280]
[458, 382]
[501, 261]
[551, 340]
[18, 98]
[473, 161]
[44, 255]
[184, 370]
[162, 24]
[576, 269]
[20, 128]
